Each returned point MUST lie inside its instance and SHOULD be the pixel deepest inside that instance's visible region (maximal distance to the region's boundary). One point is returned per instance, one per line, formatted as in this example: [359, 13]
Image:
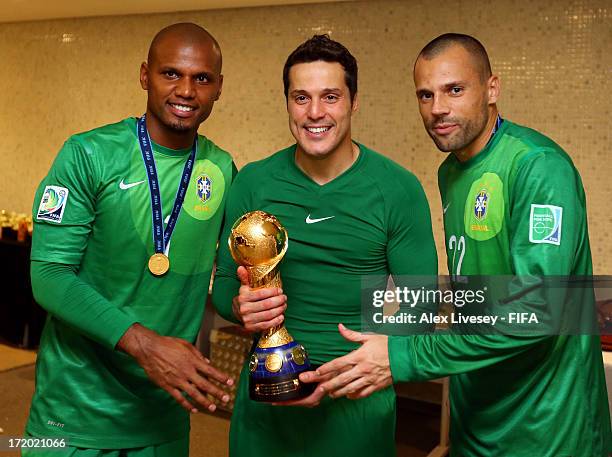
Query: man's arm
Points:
[58, 289]
[58, 247]
[171, 363]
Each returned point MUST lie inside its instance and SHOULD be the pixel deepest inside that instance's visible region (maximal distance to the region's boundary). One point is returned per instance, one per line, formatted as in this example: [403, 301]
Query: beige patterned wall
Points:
[554, 59]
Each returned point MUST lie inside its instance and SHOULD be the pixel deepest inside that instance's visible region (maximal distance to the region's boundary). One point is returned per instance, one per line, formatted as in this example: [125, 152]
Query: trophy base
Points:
[279, 388]
[275, 373]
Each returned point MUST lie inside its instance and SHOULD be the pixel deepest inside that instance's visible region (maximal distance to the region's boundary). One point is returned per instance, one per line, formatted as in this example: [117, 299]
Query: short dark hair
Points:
[469, 43]
[188, 32]
[322, 47]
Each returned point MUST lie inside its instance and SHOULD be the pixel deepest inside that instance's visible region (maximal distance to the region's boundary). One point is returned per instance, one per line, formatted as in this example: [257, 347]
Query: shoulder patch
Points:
[52, 204]
[545, 224]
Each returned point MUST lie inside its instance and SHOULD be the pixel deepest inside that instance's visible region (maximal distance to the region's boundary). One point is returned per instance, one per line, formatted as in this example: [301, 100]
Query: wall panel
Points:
[554, 60]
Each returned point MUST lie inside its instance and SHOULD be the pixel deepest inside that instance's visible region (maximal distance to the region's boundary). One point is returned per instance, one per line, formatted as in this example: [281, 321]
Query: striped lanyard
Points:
[161, 236]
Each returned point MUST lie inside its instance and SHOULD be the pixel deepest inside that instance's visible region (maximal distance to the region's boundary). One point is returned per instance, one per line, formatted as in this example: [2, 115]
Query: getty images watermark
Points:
[483, 304]
[407, 297]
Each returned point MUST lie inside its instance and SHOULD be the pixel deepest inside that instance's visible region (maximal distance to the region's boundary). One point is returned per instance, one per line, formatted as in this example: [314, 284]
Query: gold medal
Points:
[159, 264]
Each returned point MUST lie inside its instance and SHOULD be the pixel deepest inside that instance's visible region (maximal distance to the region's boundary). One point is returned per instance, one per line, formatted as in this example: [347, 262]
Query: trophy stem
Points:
[264, 276]
[271, 331]
[275, 337]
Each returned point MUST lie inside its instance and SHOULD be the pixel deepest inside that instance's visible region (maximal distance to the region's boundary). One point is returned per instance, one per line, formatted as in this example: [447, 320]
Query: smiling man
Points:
[349, 212]
[126, 226]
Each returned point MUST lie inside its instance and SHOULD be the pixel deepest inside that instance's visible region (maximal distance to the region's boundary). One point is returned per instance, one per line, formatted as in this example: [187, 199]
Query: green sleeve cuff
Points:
[122, 323]
[401, 359]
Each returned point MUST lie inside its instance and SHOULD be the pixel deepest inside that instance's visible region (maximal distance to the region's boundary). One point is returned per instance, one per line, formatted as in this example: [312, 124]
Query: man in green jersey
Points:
[349, 212]
[117, 370]
[513, 205]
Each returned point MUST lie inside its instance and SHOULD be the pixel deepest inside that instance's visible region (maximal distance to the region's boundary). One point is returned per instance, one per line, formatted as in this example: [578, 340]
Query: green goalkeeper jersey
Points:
[92, 240]
[517, 208]
[373, 219]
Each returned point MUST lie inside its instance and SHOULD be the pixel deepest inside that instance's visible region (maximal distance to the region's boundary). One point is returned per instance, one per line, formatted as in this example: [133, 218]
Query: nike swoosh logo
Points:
[445, 208]
[314, 221]
[124, 186]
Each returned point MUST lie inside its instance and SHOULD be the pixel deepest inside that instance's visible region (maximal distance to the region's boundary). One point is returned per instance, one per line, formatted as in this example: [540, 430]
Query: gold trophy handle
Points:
[278, 335]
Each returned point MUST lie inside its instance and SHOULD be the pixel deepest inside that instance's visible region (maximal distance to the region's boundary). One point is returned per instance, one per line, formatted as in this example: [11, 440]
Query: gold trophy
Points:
[258, 242]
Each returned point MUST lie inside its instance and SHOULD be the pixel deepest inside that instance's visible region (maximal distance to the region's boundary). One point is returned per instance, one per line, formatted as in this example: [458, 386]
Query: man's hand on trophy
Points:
[314, 399]
[317, 395]
[308, 402]
[176, 366]
[258, 309]
[359, 373]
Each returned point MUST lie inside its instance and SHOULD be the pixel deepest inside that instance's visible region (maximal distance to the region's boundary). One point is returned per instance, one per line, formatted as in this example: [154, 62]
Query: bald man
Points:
[514, 207]
[127, 222]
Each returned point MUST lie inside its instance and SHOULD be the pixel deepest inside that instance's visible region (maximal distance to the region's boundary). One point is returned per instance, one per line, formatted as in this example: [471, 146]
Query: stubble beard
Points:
[469, 130]
[178, 126]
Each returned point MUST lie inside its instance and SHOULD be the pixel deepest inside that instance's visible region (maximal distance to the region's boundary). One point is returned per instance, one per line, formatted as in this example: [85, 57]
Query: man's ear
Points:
[493, 89]
[144, 76]
[355, 104]
[220, 87]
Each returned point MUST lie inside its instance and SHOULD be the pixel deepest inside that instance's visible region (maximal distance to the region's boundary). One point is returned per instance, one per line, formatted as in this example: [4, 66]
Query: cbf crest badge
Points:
[484, 207]
[204, 188]
[206, 191]
[480, 208]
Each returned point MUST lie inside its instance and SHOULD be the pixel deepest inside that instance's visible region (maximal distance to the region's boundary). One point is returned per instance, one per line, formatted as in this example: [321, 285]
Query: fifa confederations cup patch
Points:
[545, 224]
[52, 204]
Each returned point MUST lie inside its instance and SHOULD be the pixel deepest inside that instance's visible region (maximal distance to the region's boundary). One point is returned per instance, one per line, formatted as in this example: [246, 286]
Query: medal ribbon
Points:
[161, 237]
